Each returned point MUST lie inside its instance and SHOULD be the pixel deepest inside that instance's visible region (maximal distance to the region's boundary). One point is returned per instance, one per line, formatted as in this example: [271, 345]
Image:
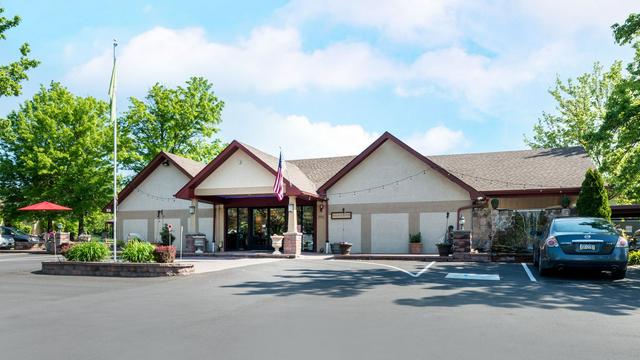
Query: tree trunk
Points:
[49, 224]
[81, 224]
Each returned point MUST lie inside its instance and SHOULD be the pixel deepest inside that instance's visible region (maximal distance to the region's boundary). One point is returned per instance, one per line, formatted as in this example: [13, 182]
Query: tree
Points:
[182, 121]
[14, 73]
[581, 109]
[56, 147]
[593, 199]
[621, 126]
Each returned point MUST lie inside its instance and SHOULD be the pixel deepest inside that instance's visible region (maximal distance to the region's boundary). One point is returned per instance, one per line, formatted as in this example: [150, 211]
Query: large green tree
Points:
[580, 112]
[621, 126]
[56, 147]
[14, 73]
[181, 120]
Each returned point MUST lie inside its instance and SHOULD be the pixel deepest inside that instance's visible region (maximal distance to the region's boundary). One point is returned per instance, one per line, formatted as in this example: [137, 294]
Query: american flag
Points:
[278, 187]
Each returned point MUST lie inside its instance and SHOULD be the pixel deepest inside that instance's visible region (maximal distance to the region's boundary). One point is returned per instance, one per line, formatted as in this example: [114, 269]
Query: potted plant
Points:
[345, 248]
[415, 243]
[443, 249]
[495, 203]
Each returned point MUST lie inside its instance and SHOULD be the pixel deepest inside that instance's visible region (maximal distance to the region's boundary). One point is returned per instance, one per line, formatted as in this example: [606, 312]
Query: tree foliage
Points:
[581, 109]
[621, 126]
[14, 73]
[56, 147]
[593, 199]
[182, 121]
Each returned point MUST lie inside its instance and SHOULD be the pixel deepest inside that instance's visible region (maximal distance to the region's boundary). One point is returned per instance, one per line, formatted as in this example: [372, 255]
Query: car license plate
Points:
[587, 247]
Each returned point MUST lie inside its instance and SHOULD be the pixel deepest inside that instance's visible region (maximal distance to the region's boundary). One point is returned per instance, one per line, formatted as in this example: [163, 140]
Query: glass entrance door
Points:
[259, 239]
[251, 228]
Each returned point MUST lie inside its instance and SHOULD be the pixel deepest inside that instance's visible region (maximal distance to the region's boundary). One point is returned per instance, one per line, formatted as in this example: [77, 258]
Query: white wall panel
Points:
[390, 233]
[347, 230]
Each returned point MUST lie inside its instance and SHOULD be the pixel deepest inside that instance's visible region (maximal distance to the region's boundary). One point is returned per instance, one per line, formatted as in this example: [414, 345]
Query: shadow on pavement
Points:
[572, 291]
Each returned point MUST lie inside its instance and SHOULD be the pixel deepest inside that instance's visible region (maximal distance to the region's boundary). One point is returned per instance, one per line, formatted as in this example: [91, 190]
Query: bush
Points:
[165, 254]
[138, 251]
[593, 199]
[634, 258]
[166, 236]
[87, 251]
[415, 238]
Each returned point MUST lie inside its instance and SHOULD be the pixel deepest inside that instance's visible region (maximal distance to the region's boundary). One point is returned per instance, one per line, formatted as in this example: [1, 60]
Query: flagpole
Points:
[112, 94]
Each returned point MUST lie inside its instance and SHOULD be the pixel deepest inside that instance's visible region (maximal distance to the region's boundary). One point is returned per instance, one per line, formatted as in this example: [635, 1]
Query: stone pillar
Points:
[292, 243]
[193, 218]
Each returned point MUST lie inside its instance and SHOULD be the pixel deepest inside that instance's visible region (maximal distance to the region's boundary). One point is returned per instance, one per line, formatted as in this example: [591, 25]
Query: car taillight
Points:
[622, 242]
[552, 242]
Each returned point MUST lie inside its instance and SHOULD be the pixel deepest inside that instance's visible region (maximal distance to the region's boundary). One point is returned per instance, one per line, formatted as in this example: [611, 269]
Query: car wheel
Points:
[542, 270]
[619, 274]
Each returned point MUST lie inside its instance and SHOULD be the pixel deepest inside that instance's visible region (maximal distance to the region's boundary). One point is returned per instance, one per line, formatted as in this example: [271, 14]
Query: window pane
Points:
[243, 227]
[277, 221]
[232, 228]
[260, 233]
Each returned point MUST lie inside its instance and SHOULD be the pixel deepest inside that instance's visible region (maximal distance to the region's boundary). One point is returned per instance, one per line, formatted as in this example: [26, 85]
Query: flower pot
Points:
[415, 248]
[443, 250]
[345, 248]
[335, 248]
[276, 243]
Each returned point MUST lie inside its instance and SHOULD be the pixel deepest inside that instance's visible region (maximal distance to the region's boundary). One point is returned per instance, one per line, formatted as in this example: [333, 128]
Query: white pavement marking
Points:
[529, 274]
[392, 267]
[472, 276]
[212, 265]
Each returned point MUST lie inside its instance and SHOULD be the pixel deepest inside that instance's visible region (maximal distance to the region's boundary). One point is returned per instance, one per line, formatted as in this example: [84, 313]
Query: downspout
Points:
[459, 210]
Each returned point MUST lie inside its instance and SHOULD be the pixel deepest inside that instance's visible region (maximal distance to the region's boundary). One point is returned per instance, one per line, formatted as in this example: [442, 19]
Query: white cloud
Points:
[439, 140]
[425, 21]
[298, 136]
[270, 60]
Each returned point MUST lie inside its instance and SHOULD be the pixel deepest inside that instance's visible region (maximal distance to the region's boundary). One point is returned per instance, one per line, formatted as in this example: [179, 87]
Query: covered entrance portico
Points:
[239, 182]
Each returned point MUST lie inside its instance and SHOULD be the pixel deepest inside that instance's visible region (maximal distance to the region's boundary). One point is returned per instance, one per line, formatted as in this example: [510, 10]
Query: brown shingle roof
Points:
[191, 166]
[518, 170]
[320, 170]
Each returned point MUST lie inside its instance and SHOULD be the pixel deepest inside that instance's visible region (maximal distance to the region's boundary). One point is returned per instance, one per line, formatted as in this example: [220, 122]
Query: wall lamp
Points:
[192, 209]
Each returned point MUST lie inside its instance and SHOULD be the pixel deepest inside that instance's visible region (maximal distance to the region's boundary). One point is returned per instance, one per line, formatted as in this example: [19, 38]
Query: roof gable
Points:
[296, 180]
[186, 166]
[473, 193]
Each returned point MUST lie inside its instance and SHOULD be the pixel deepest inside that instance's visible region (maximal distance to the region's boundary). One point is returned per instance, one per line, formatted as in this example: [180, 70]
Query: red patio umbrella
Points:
[45, 206]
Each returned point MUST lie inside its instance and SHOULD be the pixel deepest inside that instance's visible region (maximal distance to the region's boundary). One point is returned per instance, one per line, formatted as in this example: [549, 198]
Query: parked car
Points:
[19, 236]
[581, 242]
[6, 241]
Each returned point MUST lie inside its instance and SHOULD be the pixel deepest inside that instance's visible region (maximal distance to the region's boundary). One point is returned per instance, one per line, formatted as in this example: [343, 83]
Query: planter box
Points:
[115, 269]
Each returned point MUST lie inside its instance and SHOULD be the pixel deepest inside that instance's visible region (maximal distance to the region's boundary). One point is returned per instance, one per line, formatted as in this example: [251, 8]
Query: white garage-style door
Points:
[433, 227]
[390, 233]
[158, 224]
[205, 226]
[347, 230]
[134, 227]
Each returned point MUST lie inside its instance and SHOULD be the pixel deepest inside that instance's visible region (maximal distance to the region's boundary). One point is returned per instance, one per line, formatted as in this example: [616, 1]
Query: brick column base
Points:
[292, 243]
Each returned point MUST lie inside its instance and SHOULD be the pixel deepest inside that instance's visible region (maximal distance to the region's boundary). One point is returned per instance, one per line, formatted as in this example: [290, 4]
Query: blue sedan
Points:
[581, 242]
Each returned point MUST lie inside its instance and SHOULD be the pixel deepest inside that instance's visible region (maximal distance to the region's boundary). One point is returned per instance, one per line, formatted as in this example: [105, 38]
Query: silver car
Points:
[6, 241]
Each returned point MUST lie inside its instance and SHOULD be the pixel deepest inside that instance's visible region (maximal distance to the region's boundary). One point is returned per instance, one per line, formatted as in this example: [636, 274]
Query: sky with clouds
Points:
[326, 77]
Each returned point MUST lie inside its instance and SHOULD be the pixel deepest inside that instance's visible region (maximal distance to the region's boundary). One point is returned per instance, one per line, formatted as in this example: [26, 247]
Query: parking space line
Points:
[529, 274]
[392, 267]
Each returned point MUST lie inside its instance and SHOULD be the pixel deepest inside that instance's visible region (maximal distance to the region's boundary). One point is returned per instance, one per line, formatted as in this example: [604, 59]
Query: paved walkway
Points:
[205, 265]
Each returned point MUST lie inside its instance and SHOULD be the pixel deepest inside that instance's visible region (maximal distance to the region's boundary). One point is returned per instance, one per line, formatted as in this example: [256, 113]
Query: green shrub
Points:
[138, 251]
[87, 251]
[634, 258]
[593, 199]
[415, 238]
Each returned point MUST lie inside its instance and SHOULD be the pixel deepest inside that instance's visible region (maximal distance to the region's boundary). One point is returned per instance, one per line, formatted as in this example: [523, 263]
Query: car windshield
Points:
[583, 225]
[18, 232]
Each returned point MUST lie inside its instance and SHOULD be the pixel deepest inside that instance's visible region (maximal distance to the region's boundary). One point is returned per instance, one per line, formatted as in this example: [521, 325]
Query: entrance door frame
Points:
[250, 224]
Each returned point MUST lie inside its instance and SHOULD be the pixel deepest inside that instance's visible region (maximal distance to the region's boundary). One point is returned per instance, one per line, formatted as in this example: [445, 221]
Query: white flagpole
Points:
[112, 95]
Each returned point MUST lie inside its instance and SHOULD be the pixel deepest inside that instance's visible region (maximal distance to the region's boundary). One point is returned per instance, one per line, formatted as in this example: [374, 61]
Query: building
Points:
[373, 200]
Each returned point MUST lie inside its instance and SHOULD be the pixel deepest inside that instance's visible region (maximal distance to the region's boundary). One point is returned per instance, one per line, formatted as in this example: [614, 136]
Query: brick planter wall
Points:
[115, 269]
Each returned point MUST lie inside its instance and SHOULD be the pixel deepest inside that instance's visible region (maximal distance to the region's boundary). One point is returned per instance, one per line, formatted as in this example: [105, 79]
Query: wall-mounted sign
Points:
[344, 215]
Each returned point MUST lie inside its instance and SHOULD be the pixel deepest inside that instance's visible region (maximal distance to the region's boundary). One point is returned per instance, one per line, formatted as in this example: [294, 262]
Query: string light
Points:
[455, 173]
[155, 197]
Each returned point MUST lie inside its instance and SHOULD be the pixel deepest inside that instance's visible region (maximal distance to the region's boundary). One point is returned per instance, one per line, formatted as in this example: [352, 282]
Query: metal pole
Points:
[115, 152]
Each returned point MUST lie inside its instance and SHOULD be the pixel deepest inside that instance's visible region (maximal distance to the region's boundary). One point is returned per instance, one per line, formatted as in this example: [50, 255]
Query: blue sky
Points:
[323, 78]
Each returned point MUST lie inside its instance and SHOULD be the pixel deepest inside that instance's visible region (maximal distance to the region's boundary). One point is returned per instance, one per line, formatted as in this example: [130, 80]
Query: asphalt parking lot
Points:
[314, 309]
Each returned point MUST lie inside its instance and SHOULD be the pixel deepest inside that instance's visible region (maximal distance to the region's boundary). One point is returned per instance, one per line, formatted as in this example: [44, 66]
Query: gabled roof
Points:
[297, 182]
[473, 193]
[187, 166]
[511, 172]
[319, 170]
